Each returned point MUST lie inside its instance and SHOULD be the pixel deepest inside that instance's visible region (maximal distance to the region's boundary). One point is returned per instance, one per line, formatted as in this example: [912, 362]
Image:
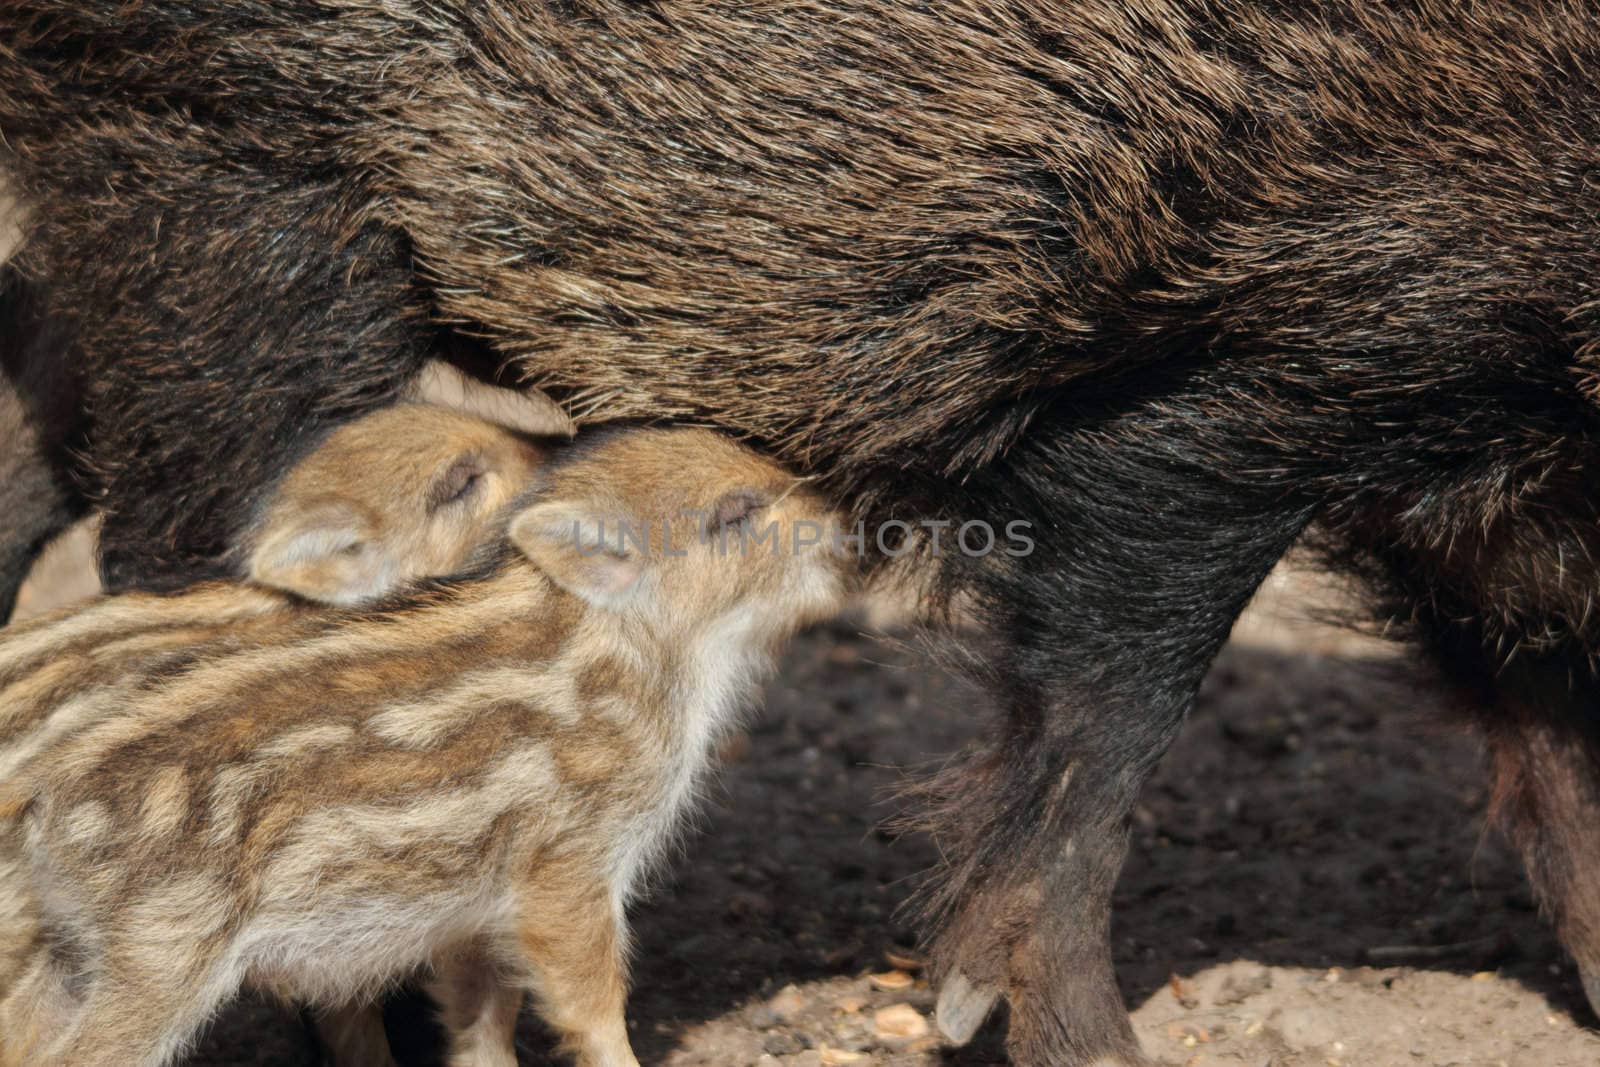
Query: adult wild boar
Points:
[1168, 280]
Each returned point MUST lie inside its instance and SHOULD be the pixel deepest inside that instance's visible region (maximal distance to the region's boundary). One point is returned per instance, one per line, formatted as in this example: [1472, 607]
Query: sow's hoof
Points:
[964, 1005]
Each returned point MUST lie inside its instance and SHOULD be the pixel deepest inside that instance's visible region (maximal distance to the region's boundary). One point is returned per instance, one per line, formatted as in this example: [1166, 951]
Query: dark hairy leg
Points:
[1544, 747]
[1506, 608]
[1151, 534]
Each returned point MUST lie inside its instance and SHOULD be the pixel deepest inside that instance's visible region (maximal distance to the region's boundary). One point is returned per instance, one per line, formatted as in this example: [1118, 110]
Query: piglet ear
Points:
[323, 553]
[585, 554]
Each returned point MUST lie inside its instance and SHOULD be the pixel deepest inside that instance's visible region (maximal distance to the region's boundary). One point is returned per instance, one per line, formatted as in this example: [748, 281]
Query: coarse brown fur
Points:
[1169, 279]
[236, 787]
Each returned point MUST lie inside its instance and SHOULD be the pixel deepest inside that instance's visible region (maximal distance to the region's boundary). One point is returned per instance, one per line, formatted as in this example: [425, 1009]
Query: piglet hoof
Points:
[964, 1005]
[1591, 989]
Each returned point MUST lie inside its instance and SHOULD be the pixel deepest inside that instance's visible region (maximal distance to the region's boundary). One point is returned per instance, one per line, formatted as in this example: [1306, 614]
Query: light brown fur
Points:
[321, 802]
[408, 492]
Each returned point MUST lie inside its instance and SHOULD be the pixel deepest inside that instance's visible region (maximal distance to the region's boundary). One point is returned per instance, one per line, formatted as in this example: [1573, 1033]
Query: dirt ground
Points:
[1310, 883]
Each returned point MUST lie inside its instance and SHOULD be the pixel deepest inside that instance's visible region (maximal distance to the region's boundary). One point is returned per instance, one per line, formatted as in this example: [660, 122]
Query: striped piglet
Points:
[230, 786]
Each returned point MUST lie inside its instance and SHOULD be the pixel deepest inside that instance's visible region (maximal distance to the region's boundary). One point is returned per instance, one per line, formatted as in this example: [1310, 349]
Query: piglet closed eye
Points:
[738, 508]
[408, 493]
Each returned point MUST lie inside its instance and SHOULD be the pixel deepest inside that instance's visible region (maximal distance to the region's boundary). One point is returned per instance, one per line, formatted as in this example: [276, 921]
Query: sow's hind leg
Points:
[1506, 601]
[1150, 536]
